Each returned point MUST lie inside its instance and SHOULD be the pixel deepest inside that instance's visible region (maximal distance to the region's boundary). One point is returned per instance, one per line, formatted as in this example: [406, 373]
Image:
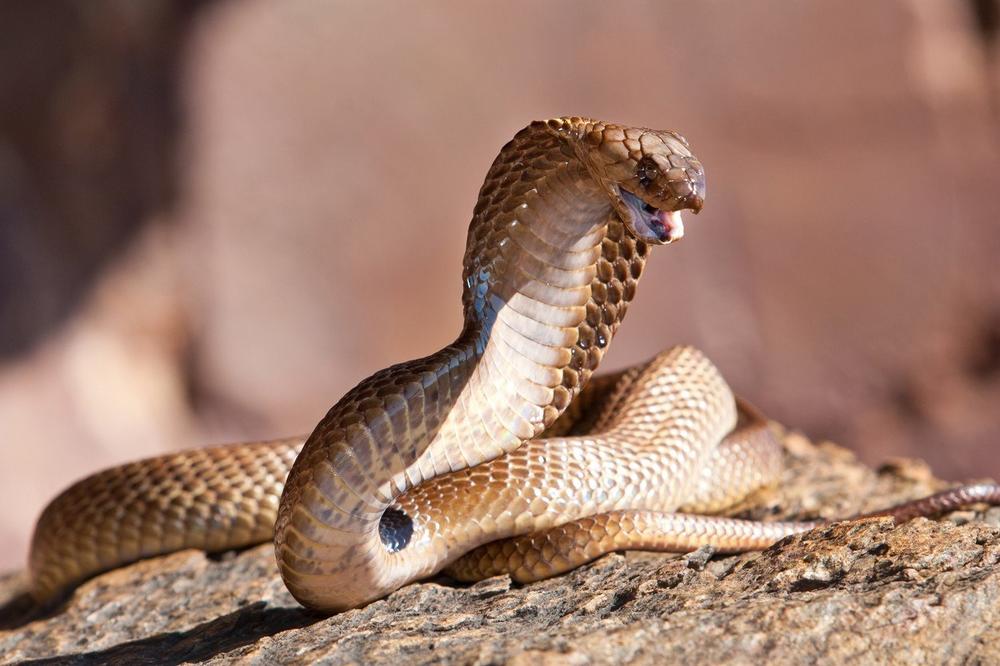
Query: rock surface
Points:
[924, 592]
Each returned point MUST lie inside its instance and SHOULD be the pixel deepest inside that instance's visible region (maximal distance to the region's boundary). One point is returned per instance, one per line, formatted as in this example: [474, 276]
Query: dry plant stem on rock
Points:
[495, 454]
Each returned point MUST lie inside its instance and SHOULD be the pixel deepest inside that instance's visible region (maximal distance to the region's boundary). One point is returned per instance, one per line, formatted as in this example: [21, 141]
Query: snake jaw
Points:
[651, 224]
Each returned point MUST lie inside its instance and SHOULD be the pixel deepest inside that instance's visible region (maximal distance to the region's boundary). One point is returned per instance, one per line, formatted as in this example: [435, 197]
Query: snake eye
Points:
[647, 171]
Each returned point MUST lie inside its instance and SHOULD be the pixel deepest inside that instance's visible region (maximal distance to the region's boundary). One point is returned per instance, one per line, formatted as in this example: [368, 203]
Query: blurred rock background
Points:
[216, 217]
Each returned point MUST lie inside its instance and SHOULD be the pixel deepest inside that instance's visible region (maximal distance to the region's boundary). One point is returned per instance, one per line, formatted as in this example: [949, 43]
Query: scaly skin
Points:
[484, 457]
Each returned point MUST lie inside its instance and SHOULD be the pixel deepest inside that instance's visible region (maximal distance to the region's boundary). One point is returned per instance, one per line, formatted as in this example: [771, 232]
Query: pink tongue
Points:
[673, 223]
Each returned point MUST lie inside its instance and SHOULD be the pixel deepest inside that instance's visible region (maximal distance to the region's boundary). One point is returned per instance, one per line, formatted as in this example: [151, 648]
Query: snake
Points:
[502, 453]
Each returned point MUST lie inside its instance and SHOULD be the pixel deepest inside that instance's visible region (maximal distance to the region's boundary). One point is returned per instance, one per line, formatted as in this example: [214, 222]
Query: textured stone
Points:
[924, 592]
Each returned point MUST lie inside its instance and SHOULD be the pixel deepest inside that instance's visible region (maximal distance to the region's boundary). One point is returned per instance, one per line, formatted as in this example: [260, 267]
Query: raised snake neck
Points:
[439, 461]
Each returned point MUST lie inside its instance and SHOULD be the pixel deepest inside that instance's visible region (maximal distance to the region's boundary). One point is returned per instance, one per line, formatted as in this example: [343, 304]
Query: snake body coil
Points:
[494, 454]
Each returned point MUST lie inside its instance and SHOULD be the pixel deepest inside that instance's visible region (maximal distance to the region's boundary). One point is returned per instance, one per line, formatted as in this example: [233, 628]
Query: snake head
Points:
[651, 176]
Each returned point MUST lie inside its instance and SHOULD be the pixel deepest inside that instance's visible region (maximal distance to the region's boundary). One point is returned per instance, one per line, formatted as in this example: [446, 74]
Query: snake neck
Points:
[547, 277]
[526, 300]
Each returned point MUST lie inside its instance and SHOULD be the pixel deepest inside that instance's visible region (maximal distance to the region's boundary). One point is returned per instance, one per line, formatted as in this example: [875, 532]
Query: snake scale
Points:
[496, 454]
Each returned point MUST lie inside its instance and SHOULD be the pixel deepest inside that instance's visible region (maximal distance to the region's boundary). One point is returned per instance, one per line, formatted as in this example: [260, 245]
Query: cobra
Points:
[496, 454]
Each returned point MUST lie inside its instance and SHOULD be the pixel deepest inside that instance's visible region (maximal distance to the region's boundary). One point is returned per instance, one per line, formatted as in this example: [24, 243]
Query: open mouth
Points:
[652, 224]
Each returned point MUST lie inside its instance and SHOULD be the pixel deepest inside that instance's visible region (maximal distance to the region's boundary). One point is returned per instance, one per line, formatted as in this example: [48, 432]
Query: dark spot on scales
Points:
[395, 529]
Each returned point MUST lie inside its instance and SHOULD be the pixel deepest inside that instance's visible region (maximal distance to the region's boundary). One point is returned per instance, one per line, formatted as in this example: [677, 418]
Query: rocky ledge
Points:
[924, 592]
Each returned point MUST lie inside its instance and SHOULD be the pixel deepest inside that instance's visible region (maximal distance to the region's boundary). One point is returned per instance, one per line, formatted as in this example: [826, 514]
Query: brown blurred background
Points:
[216, 217]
